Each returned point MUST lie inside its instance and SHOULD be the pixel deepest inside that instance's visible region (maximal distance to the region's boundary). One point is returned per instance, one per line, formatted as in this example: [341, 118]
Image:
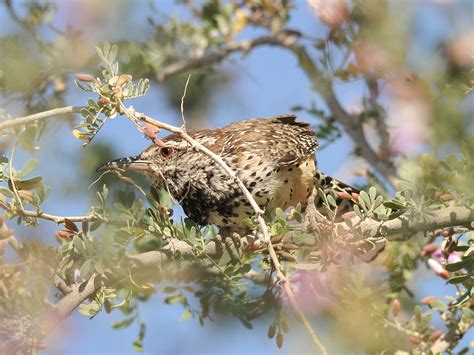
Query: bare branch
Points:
[405, 226]
[51, 217]
[38, 117]
[213, 58]
[77, 294]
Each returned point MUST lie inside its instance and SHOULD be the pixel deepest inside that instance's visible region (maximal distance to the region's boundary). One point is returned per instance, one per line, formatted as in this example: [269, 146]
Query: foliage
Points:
[193, 266]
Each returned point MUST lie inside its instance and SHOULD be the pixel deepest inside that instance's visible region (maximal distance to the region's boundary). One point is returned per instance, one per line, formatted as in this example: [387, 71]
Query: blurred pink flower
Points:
[461, 49]
[372, 59]
[408, 113]
[438, 268]
[437, 261]
[330, 12]
[311, 289]
[439, 257]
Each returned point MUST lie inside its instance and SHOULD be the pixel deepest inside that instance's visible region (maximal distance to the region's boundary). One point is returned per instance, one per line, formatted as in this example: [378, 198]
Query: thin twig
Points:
[38, 117]
[58, 219]
[10, 172]
[182, 101]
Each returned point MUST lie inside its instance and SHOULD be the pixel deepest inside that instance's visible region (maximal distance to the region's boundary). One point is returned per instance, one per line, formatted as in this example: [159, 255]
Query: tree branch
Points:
[77, 294]
[213, 58]
[405, 226]
[38, 117]
[321, 84]
[395, 229]
[58, 219]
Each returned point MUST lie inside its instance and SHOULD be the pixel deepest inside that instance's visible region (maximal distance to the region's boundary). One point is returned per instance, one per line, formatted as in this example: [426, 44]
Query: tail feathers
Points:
[346, 195]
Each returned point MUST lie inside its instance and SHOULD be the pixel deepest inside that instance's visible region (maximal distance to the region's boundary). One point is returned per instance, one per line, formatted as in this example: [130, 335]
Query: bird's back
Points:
[274, 157]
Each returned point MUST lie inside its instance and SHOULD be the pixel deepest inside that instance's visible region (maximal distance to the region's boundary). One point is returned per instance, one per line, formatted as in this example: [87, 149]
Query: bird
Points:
[274, 158]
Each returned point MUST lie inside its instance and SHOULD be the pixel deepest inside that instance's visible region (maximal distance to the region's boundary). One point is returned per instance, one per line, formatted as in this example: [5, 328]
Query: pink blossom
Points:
[439, 257]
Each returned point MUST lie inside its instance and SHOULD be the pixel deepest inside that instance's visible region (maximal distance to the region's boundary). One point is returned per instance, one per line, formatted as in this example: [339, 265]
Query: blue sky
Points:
[266, 83]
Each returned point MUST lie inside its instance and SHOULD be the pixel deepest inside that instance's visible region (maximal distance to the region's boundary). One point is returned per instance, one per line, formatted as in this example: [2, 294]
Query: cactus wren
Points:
[274, 158]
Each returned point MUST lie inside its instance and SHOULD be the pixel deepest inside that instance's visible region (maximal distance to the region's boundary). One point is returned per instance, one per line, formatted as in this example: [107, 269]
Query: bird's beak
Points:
[128, 163]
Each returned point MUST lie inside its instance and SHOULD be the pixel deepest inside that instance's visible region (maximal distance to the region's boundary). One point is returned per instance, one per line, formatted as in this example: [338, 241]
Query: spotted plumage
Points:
[274, 157]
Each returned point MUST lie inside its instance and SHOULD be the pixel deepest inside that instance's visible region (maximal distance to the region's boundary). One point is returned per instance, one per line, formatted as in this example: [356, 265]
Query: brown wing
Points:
[280, 139]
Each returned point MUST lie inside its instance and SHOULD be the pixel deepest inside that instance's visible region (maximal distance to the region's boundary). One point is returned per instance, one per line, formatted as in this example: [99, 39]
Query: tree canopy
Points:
[391, 102]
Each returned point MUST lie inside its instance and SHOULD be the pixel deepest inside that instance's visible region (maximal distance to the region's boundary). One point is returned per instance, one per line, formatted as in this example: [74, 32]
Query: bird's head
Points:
[164, 165]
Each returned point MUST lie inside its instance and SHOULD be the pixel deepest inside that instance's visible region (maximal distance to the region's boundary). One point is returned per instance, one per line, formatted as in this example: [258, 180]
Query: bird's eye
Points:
[166, 152]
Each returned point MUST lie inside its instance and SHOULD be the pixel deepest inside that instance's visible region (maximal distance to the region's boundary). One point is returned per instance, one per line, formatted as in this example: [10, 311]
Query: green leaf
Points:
[123, 323]
[404, 185]
[112, 53]
[28, 184]
[279, 213]
[378, 201]
[331, 201]
[99, 267]
[298, 217]
[445, 166]
[246, 323]
[89, 310]
[79, 246]
[358, 212]
[394, 205]
[169, 289]
[175, 299]
[459, 279]
[465, 297]
[456, 266]
[86, 268]
[225, 258]
[29, 166]
[6, 192]
[365, 200]
[138, 344]
[186, 314]
[461, 248]
[245, 268]
[372, 193]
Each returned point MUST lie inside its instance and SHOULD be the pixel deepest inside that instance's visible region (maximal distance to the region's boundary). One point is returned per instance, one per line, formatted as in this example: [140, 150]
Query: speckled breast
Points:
[281, 187]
